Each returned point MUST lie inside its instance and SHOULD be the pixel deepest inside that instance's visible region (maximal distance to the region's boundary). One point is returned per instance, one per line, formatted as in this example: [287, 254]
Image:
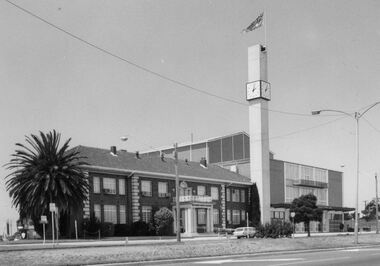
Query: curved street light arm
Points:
[365, 111]
[332, 110]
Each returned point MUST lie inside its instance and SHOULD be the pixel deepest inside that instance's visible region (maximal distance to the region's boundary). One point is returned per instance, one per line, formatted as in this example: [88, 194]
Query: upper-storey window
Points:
[201, 190]
[215, 193]
[228, 196]
[96, 181]
[235, 195]
[242, 195]
[121, 186]
[146, 188]
[162, 189]
[109, 185]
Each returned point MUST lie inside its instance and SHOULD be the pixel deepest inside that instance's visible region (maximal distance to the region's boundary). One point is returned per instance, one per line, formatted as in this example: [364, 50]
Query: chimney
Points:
[137, 155]
[203, 162]
[113, 150]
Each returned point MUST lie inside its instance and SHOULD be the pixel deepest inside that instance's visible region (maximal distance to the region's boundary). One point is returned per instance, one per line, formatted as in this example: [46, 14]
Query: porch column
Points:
[189, 218]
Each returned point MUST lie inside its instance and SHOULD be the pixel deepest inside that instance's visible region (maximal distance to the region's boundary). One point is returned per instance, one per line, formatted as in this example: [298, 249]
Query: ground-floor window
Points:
[229, 221]
[110, 215]
[122, 214]
[243, 215]
[201, 216]
[216, 216]
[236, 216]
[98, 212]
[146, 213]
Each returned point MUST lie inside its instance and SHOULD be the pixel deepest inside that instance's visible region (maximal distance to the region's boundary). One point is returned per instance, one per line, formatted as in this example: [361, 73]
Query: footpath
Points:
[21, 245]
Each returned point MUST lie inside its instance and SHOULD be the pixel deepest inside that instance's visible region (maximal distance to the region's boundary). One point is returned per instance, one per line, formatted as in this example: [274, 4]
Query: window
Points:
[306, 172]
[242, 195]
[110, 215]
[162, 189]
[235, 195]
[146, 213]
[215, 193]
[201, 216]
[98, 212]
[229, 216]
[243, 215]
[228, 194]
[201, 190]
[122, 214]
[109, 185]
[216, 216]
[146, 188]
[121, 186]
[235, 216]
[96, 180]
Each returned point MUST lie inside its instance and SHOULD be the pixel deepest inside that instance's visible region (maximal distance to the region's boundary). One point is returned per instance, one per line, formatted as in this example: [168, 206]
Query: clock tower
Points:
[258, 92]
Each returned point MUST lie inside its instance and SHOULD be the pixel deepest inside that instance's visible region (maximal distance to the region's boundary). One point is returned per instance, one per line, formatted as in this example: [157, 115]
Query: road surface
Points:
[353, 256]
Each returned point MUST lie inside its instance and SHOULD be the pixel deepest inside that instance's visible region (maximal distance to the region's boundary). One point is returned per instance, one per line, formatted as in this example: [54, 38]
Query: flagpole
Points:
[265, 28]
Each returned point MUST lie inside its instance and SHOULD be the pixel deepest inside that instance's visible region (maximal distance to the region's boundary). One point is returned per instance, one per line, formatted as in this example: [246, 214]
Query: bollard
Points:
[126, 241]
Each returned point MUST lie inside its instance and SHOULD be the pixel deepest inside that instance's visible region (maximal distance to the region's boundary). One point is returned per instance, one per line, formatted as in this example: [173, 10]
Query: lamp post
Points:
[356, 116]
[377, 208]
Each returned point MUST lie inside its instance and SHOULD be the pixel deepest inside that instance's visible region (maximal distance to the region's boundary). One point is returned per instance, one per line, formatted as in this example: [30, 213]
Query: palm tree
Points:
[43, 172]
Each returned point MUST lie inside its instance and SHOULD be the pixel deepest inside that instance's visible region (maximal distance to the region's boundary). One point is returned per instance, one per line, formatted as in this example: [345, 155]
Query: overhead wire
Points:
[145, 69]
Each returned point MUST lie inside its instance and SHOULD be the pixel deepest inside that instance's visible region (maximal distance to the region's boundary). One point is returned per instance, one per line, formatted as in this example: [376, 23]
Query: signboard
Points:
[292, 214]
[52, 207]
[43, 219]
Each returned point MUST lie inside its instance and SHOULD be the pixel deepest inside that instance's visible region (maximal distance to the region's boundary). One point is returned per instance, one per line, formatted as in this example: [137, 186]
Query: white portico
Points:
[196, 214]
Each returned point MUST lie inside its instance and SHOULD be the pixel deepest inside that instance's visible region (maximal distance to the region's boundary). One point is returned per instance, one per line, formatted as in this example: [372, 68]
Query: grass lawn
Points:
[173, 250]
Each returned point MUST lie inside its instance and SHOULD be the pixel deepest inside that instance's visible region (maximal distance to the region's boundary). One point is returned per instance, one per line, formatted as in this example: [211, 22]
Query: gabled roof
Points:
[128, 163]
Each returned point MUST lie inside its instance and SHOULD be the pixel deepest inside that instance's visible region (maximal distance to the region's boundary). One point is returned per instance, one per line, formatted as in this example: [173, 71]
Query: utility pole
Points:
[377, 208]
[177, 193]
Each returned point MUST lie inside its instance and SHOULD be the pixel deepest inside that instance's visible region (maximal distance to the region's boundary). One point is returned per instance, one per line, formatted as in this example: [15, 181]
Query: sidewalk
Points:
[21, 245]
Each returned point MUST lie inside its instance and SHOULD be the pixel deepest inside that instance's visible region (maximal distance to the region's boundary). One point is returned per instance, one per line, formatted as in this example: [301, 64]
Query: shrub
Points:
[141, 228]
[274, 230]
[91, 225]
[122, 230]
[163, 219]
[107, 229]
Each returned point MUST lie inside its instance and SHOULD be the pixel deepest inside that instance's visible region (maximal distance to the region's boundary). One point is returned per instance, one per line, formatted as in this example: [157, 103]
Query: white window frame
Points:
[236, 217]
[235, 195]
[242, 195]
[215, 216]
[228, 194]
[146, 214]
[109, 185]
[110, 213]
[162, 189]
[201, 190]
[96, 184]
[122, 186]
[122, 214]
[146, 188]
[215, 193]
[98, 212]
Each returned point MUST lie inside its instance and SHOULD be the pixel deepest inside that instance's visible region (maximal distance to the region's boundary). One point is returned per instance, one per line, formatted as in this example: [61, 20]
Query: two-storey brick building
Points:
[125, 188]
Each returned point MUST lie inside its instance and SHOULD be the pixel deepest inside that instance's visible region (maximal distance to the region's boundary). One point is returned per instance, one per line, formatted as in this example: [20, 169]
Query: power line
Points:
[182, 84]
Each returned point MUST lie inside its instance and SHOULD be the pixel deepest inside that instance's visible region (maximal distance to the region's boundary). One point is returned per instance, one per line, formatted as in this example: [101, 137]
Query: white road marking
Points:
[246, 260]
[310, 261]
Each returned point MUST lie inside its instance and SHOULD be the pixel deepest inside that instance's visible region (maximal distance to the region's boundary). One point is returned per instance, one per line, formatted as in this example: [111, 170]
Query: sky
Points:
[321, 55]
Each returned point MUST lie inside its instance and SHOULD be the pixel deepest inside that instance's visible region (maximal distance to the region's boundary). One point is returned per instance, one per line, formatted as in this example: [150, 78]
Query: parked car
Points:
[246, 232]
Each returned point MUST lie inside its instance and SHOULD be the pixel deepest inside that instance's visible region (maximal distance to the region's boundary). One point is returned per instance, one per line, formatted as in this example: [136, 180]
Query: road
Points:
[353, 256]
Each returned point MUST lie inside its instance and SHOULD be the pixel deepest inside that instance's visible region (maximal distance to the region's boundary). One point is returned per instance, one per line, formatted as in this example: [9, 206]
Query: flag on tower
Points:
[257, 23]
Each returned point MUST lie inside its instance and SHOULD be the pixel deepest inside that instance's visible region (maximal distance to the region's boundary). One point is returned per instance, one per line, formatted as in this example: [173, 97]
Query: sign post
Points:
[43, 222]
[52, 209]
[292, 214]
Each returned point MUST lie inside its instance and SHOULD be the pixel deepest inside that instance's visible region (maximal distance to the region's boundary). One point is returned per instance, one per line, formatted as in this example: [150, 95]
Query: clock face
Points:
[253, 90]
[265, 90]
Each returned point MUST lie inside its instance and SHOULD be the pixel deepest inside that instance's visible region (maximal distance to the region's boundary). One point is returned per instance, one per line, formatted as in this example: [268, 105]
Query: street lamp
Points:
[356, 116]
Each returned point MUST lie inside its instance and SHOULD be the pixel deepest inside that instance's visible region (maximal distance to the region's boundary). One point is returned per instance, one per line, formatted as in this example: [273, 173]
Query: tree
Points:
[43, 172]
[255, 204]
[369, 212]
[306, 210]
[163, 218]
